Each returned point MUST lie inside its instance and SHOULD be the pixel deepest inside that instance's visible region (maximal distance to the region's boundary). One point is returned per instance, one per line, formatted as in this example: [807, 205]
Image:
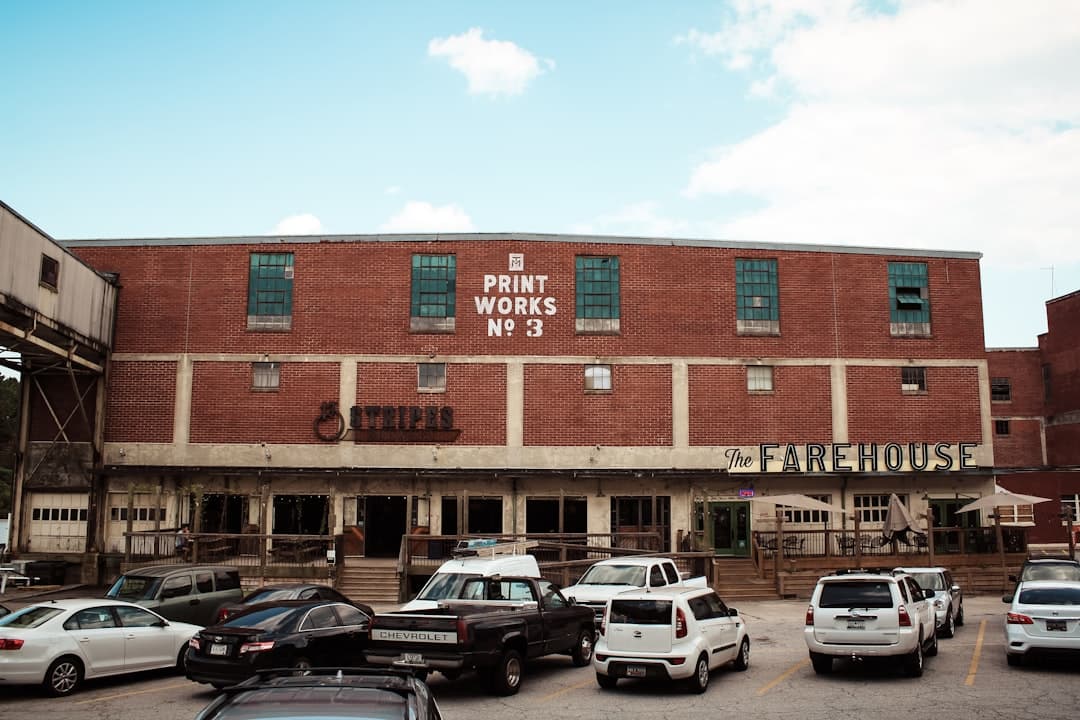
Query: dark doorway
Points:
[945, 516]
[636, 514]
[382, 518]
[485, 516]
[223, 513]
[300, 514]
[730, 528]
[542, 515]
[449, 515]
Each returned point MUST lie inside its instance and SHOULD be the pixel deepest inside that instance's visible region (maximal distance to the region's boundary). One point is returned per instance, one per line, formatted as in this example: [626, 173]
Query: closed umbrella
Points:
[898, 521]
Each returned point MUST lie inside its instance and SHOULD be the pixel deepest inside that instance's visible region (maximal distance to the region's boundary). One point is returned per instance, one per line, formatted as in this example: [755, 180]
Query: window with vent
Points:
[1001, 427]
[50, 272]
[1000, 389]
[913, 379]
[597, 378]
[433, 304]
[909, 299]
[265, 376]
[270, 291]
[759, 378]
[431, 377]
[597, 295]
[757, 306]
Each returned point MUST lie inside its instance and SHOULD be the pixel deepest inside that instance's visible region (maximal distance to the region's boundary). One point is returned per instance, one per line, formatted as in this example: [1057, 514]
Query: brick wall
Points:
[140, 402]
[947, 412]
[1023, 368]
[1061, 350]
[722, 412]
[636, 412]
[1022, 447]
[1063, 444]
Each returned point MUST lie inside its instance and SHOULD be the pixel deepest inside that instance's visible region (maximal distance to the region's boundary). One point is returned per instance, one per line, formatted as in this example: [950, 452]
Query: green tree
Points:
[9, 432]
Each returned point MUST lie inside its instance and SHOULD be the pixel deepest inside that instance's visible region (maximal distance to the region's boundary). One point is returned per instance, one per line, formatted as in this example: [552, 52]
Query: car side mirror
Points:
[732, 612]
[954, 589]
[928, 594]
[571, 601]
[1012, 578]
[162, 623]
[1006, 599]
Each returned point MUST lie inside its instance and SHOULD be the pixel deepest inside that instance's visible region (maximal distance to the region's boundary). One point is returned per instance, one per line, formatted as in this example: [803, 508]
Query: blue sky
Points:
[950, 125]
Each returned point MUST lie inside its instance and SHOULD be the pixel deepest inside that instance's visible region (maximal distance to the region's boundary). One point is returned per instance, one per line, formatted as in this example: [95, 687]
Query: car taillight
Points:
[222, 614]
[809, 614]
[680, 623]
[194, 643]
[462, 630]
[11, 643]
[603, 621]
[905, 619]
[1018, 619]
[255, 647]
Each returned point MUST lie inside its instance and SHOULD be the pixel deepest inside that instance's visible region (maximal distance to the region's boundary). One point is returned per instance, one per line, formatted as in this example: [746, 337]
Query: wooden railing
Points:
[246, 551]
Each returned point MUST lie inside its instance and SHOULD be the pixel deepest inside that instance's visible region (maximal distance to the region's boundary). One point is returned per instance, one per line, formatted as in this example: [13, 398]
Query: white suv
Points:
[862, 614]
[675, 633]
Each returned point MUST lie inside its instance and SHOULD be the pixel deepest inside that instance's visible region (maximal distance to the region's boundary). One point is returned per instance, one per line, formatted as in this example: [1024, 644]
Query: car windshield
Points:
[856, 595]
[633, 575]
[29, 617]
[443, 586]
[1051, 571]
[262, 619]
[319, 704]
[1043, 596]
[134, 587]
[267, 594]
[929, 580]
[641, 612]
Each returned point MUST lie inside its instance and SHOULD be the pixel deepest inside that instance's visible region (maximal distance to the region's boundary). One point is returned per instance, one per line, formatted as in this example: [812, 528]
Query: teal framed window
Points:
[909, 299]
[757, 297]
[270, 291]
[434, 293]
[597, 294]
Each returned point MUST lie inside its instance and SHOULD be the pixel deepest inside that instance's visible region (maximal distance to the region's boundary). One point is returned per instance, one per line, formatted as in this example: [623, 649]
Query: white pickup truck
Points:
[607, 578]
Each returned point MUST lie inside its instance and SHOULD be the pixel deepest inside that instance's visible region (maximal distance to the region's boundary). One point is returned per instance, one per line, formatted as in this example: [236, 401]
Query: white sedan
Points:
[1044, 619]
[62, 642]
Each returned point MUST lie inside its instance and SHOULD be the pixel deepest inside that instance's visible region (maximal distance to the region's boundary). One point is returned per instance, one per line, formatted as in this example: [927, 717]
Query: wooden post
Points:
[930, 534]
[264, 528]
[130, 521]
[778, 560]
[1001, 550]
[858, 542]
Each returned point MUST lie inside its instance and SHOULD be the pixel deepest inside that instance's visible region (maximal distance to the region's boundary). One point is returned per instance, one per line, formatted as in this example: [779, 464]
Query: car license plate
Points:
[218, 649]
[855, 625]
[1055, 625]
[412, 659]
[635, 671]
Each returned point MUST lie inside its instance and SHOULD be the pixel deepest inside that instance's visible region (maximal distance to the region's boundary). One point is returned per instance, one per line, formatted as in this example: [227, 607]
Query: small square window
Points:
[913, 379]
[597, 378]
[50, 272]
[759, 378]
[1001, 427]
[36, 514]
[431, 377]
[265, 376]
[1000, 389]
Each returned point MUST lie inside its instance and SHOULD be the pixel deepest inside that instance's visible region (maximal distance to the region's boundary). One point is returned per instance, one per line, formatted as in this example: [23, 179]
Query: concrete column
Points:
[838, 394]
[515, 403]
[347, 384]
[680, 404]
[185, 369]
[985, 412]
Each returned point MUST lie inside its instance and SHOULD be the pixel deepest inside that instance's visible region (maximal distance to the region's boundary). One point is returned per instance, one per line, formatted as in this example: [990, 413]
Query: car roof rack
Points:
[863, 571]
[492, 547]
[317, 676]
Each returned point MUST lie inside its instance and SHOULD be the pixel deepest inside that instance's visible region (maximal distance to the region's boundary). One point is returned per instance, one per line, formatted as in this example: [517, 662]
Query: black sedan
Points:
[289, 591]
[298, 634]
[326, 694]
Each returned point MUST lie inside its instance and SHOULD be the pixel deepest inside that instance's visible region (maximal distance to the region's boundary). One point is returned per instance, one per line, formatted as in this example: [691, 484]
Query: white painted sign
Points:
[515, 301]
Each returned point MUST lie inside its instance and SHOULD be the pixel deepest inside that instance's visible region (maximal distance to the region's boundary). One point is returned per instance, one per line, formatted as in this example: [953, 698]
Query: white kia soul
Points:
[675, 633]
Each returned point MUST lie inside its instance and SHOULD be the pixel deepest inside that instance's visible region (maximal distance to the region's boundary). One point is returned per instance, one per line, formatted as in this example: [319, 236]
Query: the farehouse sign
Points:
[851, 457]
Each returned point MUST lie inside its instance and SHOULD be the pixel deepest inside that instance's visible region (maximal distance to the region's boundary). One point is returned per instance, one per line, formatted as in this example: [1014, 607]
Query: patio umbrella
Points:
[1000, 497]
[799, 501]
[898, 520]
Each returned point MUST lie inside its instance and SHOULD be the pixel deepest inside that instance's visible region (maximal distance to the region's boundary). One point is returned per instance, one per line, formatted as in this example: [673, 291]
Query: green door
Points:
[730, 528]
[945, 516]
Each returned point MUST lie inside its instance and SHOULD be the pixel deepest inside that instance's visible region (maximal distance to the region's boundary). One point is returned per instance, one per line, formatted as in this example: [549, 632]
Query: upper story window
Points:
[431, 377]
[597, 378]
[597, 294]
[1000, 389]
[434, 294]
[265, 376]
[909, 299]
[759, 378]
[50, 272]
[270, 286]
[1001, 427]
[913, 380]
[757, 297]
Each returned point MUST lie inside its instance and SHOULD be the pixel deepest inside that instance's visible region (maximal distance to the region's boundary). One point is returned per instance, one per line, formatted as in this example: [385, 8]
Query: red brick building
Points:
[535, 383]
[1035, 399]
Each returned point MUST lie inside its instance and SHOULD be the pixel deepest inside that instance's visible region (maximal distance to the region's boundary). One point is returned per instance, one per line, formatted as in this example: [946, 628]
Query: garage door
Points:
[58, 522]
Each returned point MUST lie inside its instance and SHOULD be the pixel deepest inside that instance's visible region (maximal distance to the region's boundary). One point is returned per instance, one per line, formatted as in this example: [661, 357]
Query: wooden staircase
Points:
[373, 581]
[737, 579]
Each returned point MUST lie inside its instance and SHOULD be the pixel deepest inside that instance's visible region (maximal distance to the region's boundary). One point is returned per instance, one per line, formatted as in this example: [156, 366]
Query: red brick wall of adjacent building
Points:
[1022, 447]
[636, 412]
[1063, 444]
[140, 402]
[225, 408]
[1050, 484]
[476, 392]
[947, 412]
[1061, 351]
[1023, 368]
[722, 412]
[353, 297]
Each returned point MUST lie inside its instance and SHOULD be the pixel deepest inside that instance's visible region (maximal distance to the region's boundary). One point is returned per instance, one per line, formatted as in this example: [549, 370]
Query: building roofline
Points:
[1013, 349]
[59, 243]
[1059, 298]
[514, 237]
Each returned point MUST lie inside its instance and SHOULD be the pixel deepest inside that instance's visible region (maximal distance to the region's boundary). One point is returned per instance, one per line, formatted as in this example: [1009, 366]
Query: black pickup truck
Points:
[510, 620]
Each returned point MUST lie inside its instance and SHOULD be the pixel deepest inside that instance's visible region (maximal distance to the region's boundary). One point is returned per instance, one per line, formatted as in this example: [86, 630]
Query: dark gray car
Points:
[185, 593]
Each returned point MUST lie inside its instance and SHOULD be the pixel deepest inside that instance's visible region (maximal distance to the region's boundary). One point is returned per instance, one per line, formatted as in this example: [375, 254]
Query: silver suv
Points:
[865, 614]
[948, 598]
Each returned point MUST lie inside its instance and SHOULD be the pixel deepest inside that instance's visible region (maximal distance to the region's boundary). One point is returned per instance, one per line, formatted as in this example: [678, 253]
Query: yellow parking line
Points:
[557, 693]
[975, 655]
[186, 683]
[787, 673]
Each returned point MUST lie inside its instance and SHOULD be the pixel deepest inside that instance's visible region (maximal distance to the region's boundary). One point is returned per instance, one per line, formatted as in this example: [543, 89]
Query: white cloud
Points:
[305, 224]
[423, 217]
[635, 219]
[938, 125]
[492, 67]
